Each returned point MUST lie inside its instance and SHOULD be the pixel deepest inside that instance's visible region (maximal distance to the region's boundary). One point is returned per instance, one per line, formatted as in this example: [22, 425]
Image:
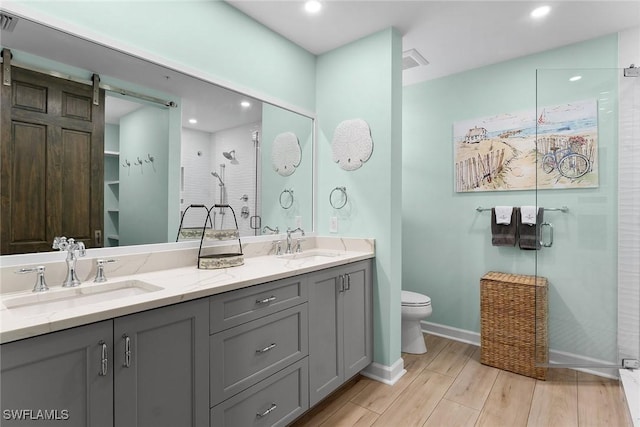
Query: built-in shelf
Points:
[112, 196]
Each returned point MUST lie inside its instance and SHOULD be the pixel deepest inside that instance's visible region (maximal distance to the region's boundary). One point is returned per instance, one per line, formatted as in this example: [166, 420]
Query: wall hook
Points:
[126, 164]
[138, 161]
[150, 158]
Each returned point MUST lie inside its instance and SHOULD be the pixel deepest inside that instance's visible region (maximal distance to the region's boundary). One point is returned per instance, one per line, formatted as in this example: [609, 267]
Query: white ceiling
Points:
[453, 36]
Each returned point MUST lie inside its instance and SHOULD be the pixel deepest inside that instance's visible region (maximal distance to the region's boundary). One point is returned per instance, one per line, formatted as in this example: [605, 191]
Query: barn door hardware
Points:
[6, 67]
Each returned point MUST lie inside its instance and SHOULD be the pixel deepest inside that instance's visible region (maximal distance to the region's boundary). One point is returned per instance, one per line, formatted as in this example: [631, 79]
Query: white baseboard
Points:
[555, 356]
[451, 333]
[385, 374]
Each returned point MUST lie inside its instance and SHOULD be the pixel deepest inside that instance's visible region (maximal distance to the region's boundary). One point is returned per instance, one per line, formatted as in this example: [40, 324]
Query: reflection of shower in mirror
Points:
[223, 191]
[219, 179]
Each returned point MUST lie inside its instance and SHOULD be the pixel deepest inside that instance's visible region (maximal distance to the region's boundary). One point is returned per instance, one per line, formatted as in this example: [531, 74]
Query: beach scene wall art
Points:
[553, 147]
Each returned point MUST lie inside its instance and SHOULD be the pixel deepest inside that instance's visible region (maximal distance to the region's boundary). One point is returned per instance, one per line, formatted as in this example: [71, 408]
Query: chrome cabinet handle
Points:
[267, 348]
[266, 300]
[127, 351]
[547, 224]
[268, 411]
[341, 289]
[104, 360]
[348, 282]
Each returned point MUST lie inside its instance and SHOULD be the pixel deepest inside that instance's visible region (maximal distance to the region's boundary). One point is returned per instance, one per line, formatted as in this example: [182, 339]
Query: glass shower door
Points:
[583, 161]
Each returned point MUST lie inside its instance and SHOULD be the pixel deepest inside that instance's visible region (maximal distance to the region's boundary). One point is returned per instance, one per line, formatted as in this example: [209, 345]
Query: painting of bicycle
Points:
[551, 148]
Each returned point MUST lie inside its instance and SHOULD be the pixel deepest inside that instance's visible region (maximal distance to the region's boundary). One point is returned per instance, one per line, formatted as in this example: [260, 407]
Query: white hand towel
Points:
[503, 214]
[529, 214]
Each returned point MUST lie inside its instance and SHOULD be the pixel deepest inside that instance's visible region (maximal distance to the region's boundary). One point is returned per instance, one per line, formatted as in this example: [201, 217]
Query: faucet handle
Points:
[82, 251]
[277, 244]
[59, 243]
[100, 277]
[299, 245]
[41, 284]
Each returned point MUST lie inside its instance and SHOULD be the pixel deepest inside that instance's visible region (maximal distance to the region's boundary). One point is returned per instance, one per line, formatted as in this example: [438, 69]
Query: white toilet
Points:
[415, 307]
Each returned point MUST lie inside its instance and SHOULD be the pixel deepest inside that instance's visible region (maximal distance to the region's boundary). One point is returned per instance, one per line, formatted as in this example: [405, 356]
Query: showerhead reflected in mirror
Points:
[230, 155]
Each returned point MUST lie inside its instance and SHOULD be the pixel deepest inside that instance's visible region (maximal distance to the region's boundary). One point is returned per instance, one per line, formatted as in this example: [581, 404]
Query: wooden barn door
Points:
[51, 162]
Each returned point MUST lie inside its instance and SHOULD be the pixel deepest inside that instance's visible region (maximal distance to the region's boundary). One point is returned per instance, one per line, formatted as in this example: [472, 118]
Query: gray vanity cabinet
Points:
[59, 378]
[145, 369]
[340, 328]
[161, 366]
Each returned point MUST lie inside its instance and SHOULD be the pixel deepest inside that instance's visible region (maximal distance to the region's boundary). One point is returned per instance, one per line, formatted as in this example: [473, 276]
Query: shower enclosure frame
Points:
[622, 202]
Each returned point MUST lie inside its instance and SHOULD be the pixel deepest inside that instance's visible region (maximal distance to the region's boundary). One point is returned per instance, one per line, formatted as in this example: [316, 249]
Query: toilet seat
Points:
[414, 299]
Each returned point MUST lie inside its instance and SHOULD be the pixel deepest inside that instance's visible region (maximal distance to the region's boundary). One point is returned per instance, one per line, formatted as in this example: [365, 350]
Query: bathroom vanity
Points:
[243, 348]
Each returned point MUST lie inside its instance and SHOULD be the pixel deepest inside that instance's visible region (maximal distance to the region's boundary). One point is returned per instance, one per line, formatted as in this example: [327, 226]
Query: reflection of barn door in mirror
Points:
[52, 155]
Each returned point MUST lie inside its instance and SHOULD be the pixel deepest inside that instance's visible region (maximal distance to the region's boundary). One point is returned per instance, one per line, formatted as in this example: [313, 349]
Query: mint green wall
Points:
[143, 194]
[446, 243]
[275, 121]
[363, 80]
[209, 36]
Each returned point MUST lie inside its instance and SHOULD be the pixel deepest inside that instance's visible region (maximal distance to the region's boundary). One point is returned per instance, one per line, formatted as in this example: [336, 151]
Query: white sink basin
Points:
[66, 298]
[311, 256]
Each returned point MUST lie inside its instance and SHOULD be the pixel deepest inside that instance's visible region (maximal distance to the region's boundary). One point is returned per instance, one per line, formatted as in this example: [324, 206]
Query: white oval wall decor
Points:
[352, 144]
[286, 153]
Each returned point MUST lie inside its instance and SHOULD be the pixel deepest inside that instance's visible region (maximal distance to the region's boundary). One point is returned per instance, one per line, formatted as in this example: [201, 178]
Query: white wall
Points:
[199, 187]
[196, 182]
[239, 175]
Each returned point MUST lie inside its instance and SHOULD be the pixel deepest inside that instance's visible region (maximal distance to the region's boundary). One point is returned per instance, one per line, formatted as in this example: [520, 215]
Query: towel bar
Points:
[563, 209]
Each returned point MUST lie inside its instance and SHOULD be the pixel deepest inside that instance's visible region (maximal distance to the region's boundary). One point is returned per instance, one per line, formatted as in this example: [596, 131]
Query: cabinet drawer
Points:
[246, 354]
[233, 308]
[276, 401]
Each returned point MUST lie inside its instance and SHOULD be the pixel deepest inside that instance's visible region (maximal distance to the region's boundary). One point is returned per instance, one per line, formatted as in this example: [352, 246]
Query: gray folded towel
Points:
[504, 235]
[530, 234]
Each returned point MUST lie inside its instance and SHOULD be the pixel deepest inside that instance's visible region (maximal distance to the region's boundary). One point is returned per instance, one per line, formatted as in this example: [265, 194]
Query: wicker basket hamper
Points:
[513, 323]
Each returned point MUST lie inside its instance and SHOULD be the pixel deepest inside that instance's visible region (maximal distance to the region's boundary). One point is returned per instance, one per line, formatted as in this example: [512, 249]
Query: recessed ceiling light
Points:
[312, 6]
[193, 121]
[540, 12]
[245, 104]
[575, 78]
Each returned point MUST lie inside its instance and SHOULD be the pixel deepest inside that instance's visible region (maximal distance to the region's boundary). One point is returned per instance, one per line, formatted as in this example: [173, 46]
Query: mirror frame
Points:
[85, 34]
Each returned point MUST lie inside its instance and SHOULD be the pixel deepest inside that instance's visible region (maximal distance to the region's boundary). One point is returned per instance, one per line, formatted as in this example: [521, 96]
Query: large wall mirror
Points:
[171, 143]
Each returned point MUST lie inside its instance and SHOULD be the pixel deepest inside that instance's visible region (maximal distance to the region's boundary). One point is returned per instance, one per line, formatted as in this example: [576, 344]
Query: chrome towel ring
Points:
[343, 190]
[286, 204]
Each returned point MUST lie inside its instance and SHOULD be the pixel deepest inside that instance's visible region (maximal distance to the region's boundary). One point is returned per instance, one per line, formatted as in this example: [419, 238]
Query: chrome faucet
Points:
[71, 246]
[271, 230]
[289, 233]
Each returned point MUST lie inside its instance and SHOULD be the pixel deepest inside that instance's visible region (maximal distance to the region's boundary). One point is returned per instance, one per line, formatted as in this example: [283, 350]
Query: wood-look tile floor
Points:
[448, 387]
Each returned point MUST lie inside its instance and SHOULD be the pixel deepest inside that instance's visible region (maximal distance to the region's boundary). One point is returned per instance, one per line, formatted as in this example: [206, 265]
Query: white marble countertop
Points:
[177, 285]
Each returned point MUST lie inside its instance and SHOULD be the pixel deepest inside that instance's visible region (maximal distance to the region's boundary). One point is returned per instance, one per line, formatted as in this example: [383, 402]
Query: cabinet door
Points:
[163, 381]
[357, 324]
[325, 336]
[57, 379]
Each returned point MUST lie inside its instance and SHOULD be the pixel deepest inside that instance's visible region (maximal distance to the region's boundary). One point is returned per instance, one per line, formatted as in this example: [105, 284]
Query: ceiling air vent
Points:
[411, 58]
[7, 22]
